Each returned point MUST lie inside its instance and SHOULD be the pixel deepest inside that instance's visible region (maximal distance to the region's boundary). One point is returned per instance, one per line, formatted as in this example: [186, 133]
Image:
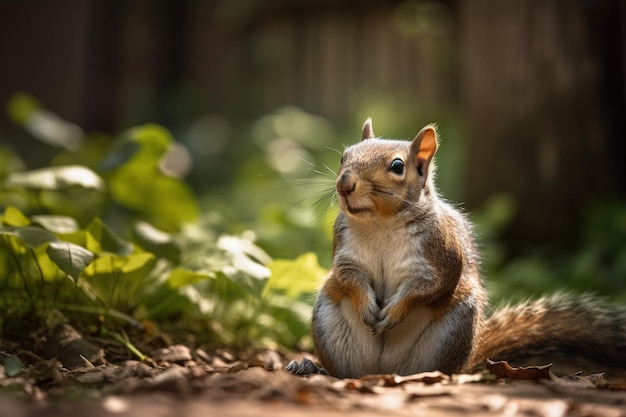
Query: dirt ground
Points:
[70, 375]
[258, 392]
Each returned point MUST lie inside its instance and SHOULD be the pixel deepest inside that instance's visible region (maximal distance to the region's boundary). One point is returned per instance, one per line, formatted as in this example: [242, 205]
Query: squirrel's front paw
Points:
[370, 316]
[389, 317]
[370, 311]
[383, 324]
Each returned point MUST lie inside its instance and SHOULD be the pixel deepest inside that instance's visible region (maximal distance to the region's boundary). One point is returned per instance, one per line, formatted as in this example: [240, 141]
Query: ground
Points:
[184, 381]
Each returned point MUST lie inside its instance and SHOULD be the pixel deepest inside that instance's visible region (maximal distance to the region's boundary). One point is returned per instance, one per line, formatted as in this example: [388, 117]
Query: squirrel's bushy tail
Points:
[582, 329]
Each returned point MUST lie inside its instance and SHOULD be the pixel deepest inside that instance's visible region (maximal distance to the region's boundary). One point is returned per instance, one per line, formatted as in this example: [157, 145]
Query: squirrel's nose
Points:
[345, 184]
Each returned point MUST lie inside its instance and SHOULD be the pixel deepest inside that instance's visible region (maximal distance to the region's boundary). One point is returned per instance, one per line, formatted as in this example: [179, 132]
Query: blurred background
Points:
[262, 95]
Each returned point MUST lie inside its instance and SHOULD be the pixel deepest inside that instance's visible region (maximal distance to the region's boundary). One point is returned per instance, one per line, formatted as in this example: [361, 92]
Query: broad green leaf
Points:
[104, 239]
[79, 237]
[295, 277]
[12, 242]
[156, 241]
[70, 258]
[120, 281]
[139, 184]
[246, 256]
[56, 224]
[137, 261]
[33, 237]
[111, 264]
[119, 155]
[49, 270]
[152, 137]
[56, 178]
[139, 149]
[14, 217]
[181, 277]
[244, 263]
[251, 284]
[165, 202]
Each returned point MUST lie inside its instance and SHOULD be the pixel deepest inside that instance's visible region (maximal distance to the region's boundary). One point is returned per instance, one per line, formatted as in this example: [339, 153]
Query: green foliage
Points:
[295, 278]
[596, 263]
[123, 238]
[70, 258]
[137, 181]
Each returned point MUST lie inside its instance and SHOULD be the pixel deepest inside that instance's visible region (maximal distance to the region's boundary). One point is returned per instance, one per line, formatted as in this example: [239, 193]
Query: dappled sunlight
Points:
[176, 162]
[55, 178]
[288, 157]
[296, 124]
[246, 256]
[53, 130]
[290, 138]
[43, 124]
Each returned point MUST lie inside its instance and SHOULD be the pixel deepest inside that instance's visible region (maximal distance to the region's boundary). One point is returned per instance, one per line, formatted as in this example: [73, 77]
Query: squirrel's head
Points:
[382, 177]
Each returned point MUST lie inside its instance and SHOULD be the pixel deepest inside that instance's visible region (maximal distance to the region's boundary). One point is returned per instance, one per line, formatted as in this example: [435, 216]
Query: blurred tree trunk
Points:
[544, 92]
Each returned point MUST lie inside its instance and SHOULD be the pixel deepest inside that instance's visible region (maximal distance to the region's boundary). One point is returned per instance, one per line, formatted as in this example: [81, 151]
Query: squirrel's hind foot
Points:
[305, 367]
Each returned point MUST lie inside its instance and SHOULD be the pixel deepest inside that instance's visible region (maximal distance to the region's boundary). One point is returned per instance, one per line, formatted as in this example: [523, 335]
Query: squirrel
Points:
[405, 294]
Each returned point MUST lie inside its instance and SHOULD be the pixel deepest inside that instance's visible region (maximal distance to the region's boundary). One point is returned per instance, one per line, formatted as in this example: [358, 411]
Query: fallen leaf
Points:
[392, 380]
[582, 381]
[502, 369]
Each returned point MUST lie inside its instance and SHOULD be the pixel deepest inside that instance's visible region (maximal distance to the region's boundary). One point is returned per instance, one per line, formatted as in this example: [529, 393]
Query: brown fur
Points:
[407, 263]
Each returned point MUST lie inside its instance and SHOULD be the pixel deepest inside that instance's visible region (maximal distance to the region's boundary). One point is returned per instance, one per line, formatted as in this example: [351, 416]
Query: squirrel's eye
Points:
[397, 166]
[341, 159]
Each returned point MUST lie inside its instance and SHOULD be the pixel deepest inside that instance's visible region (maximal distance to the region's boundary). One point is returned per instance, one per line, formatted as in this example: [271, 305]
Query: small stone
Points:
[175, 353]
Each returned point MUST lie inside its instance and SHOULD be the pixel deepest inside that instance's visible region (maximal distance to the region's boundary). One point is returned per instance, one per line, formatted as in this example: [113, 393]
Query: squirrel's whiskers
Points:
[314, 194]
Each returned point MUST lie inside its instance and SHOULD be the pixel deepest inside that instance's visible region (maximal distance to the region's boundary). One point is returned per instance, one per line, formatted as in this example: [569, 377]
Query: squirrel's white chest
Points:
[388, 255]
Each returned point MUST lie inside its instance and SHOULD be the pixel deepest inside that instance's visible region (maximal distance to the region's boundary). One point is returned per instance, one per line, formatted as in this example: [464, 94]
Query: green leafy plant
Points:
[595, 263]
[122, 240]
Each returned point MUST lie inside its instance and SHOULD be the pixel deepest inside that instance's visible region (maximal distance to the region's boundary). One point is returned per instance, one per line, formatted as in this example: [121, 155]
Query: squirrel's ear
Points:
[424, 147]
[368, 131]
